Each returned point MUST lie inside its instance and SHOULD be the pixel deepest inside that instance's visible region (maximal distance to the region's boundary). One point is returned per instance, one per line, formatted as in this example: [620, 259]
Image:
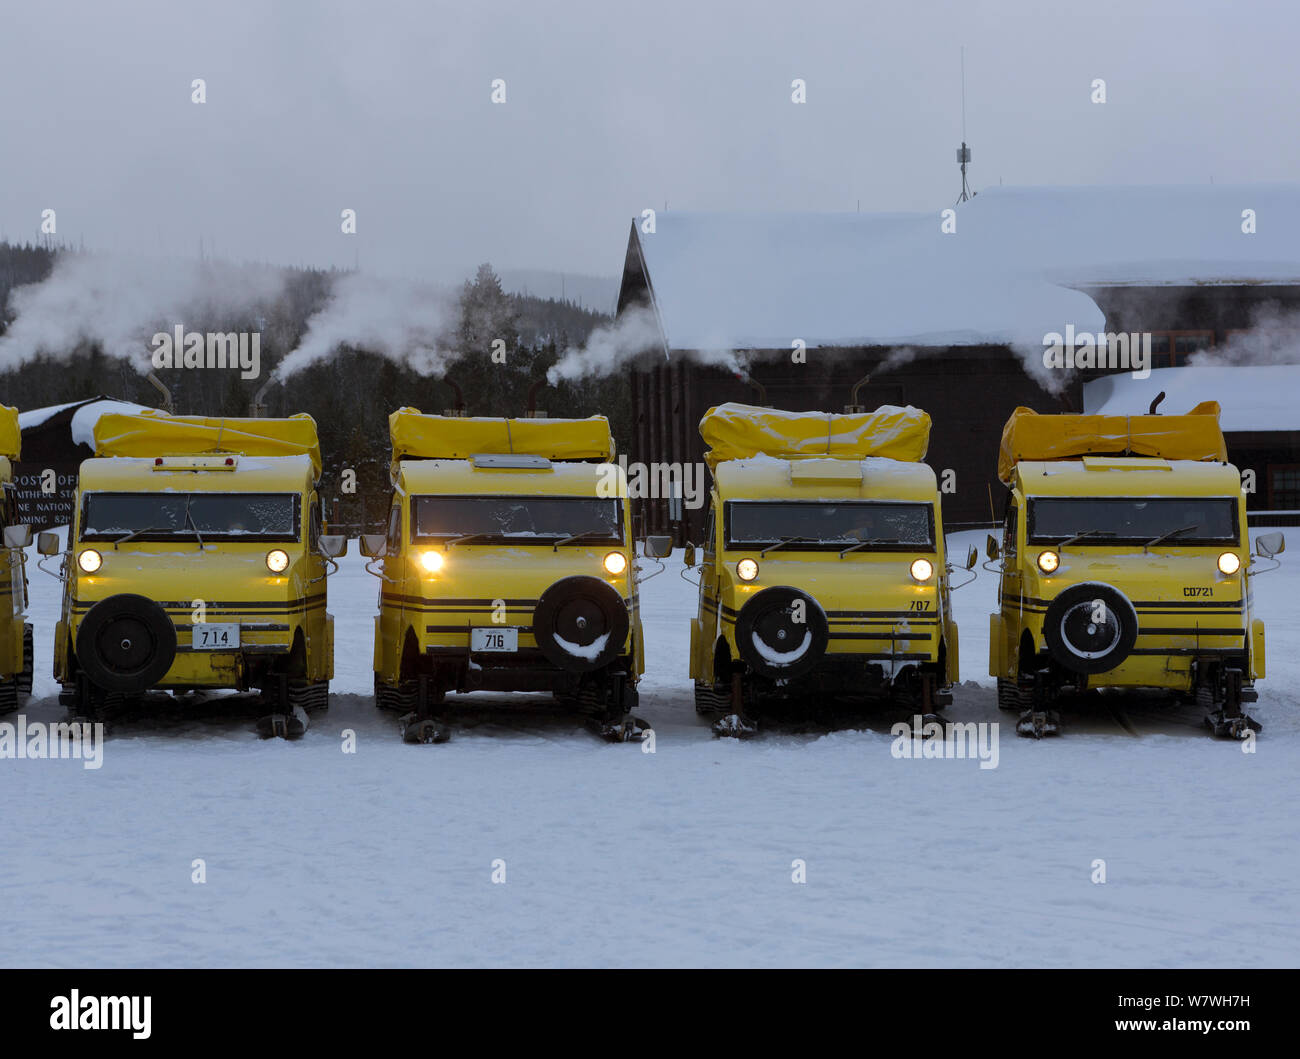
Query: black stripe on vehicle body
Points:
[226, 604]
[1193, 632]
[876, 636]
[243, 627]
[1187, 652]
[902, 656]
[1140, 604]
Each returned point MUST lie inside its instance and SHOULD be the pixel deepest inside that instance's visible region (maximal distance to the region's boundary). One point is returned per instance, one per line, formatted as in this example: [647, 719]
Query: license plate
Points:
[494, 639]
[216, 636]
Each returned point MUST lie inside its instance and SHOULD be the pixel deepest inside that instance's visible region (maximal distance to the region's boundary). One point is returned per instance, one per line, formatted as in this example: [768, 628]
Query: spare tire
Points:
[126, 644]
[581, 624]
[1090, 627]
[782, 632]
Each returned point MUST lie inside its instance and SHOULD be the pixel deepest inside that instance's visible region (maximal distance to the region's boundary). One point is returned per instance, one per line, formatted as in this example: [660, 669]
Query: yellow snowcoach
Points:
[15, 633]
[508, 565]
[196, 561]
[824, 570]
[1125, 563]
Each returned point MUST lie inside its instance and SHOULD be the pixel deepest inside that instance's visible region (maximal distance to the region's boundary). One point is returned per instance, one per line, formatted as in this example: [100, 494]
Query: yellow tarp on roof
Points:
[457, 438]
[1030, 436]
[159, 434]
[739, 431]
[11, 438]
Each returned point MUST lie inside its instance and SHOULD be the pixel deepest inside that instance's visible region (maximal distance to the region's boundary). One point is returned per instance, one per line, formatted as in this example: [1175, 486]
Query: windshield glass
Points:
[1133, 520]
[894, 526]
[519, 519]
[216, 516]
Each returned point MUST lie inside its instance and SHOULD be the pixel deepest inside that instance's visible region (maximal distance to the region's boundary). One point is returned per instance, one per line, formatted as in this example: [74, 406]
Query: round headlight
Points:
[747, 569]
[90, 560]
[431, 561]
[615, 562]
[1229, 563]
[277, 560]
[1048, 561]
[922, 569]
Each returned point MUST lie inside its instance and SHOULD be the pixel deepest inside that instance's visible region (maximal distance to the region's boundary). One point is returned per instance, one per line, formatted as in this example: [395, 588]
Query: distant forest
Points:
[351, 394]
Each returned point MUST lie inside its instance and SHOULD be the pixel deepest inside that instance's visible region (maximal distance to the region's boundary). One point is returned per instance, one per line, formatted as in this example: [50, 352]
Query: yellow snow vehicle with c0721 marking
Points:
[1125, 563]
[196, 561]
[508, 565]
[15, 632]
[824, 569]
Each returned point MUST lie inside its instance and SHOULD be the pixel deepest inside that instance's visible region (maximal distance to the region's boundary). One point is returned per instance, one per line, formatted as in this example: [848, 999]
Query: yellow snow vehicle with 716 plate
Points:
[508, 565]
[15, 633]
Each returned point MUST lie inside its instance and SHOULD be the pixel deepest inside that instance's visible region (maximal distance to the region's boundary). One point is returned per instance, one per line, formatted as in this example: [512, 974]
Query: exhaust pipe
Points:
[854, 407]
[459, 411]
[161, 387]
[532, 412]
[257, 407]
[757, 386]
[1151, 411]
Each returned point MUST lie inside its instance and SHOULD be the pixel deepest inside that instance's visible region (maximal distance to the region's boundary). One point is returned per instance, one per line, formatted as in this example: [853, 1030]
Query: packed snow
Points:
[614, 856]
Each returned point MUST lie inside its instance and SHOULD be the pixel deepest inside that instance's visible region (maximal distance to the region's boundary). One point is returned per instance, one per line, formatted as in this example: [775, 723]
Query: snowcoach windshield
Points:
[172, 516]
[1133, 520]
[518, 519]
[818, 524]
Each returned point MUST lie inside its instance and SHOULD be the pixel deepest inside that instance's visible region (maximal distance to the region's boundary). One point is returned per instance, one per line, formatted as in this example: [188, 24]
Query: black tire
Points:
[23, 682]
[1010, 697]
[126, 644]
[579, 611]
[1081, 643]
[770, 616]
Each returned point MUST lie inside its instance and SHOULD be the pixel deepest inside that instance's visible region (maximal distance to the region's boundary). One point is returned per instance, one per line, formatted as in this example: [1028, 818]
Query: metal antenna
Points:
[963, 152]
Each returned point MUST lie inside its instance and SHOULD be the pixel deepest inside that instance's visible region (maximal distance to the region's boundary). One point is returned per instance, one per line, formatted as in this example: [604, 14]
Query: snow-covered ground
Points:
[614, 856]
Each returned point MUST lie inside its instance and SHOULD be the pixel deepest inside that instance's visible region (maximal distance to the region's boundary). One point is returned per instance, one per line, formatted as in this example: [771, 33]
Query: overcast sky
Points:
[385, 108]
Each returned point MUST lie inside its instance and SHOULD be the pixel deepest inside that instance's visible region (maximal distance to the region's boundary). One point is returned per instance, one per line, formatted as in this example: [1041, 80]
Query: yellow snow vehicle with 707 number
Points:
[824, 570]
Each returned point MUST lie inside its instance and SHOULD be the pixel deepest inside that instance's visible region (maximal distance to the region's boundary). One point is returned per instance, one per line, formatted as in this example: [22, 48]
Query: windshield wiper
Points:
[135, 533]
[1171, 533]
[864, 544]
[577, 537]
[1085, 533]
[190, 519]
[469, 537]
[783, 542]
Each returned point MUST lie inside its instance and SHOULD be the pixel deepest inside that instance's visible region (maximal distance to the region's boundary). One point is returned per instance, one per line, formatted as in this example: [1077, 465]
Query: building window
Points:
[1172, 349]
[1284, 487]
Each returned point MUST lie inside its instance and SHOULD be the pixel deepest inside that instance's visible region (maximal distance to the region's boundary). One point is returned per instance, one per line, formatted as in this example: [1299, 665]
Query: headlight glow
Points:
[1229, 563]
[747, 569]
[277, 560]
[431, 561]
[1048, 561]
[615, 562]
[90, 560]
[922, 569]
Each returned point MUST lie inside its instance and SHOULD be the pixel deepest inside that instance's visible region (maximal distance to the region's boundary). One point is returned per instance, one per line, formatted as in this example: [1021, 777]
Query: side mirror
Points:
[333, 545]
[373, 545]
[971, 557]
[658, 547]
[1270, 544]
[991, 548]
[688, 554]
[18, 536]
[48, 544]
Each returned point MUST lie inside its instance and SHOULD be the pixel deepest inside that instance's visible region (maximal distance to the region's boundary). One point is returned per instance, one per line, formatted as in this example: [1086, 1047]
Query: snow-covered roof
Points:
[82, 426]
[1252, 397]
[1007, 274]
